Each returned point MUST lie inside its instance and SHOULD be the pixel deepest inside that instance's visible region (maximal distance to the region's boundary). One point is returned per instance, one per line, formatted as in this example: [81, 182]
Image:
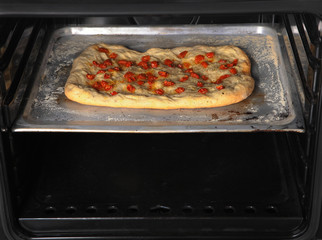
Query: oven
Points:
[251, 170]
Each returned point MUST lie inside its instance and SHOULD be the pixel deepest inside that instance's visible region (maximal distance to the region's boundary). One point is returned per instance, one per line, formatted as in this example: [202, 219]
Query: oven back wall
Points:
[156, 183]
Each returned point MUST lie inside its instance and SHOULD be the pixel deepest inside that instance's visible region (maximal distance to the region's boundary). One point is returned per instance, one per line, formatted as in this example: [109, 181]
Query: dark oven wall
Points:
[153, 184]
[139, 178]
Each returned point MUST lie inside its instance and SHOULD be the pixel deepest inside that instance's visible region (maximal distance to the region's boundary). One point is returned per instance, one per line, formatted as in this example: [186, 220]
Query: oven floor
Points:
[150, 183]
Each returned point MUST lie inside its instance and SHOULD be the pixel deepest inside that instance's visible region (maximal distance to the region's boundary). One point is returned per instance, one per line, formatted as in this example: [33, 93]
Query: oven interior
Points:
[200, 184]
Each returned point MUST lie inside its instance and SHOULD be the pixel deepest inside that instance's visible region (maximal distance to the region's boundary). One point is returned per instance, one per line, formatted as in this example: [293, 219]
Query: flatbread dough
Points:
[195, 77]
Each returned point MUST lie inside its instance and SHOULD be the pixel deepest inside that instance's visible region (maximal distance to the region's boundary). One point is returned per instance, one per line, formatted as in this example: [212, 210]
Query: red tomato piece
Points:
[128, 64]
[150, 82]
[142, 76]
[168, 83]
[103, 83]
[145, 58]
[108, 62]
[130, 88]
[106, 86]
[154, 64]
[180, 66]
[180, 90]
[199, 58]
[183, 54]
[113, 69]
[204, 64]
[90, 76]
[113, 93]
[186, 65]
[169, 63]
[125, 63]
[107, 76]
[233, 70]
[163, 74]
[221, 78]
[229, 65]
[104, 50]
[159, 91]
[131, 79]
[223, 66]
[194, 75]
[235, 62]
[222, 61]
[100, 71]
[113, 55]
[184, 78]
[199, 84]
[220, 87]
[130, 76]
[210, 55]
[144, 65]
[95, 63]
[140, 82]
[204, 77]
[224, 76]
[102, 65]
[189, 70]
[203, 90]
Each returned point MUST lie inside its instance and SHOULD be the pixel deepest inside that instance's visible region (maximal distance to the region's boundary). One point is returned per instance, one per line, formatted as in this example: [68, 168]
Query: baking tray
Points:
[273, 106]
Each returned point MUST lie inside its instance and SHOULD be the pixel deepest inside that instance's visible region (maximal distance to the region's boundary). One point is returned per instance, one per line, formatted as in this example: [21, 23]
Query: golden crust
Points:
[237, 87]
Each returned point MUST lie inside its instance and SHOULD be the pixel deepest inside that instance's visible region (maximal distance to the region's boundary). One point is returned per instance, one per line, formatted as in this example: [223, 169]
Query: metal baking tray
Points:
[273, 106]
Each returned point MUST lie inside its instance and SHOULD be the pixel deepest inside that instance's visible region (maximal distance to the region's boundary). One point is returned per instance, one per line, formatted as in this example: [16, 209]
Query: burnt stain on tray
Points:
[240, 110]
[214, 116]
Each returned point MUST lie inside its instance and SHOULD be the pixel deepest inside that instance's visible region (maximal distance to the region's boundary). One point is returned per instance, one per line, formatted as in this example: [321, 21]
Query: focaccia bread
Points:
[182, 77]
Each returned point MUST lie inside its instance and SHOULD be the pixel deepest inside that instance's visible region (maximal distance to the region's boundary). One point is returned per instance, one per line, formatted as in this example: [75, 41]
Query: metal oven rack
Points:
[274, 104]
[306, 144]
